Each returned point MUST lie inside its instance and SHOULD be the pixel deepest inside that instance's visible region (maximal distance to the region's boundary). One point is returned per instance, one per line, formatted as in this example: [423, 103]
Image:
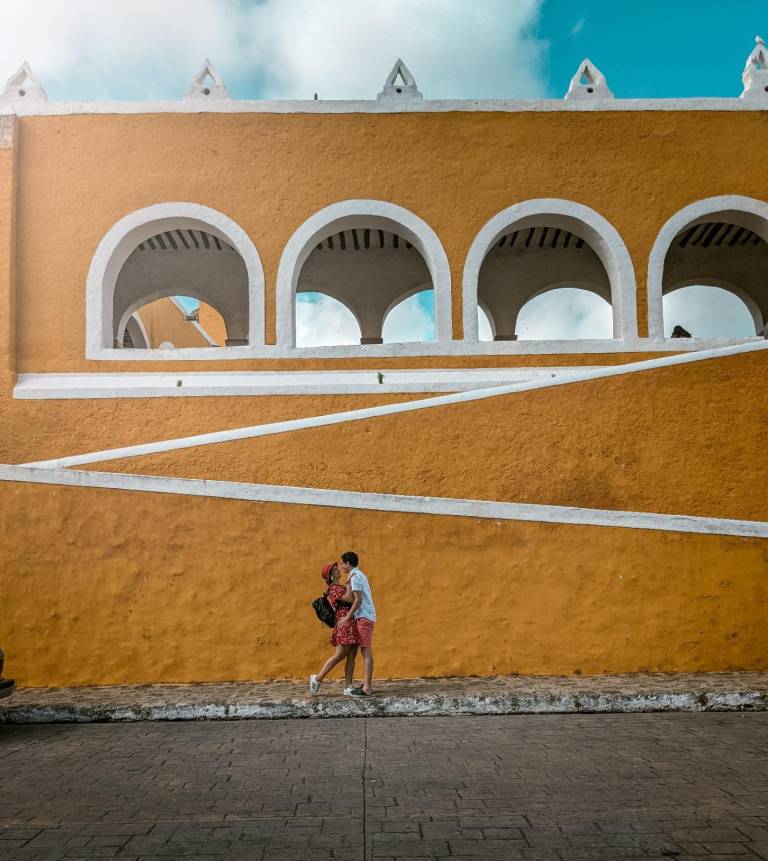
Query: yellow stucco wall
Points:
[687, 439]
[271, 172]
[111, 586]
[125, 587]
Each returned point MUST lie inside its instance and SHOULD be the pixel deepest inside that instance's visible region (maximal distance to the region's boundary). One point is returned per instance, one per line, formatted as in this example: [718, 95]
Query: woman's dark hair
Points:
[351, 557]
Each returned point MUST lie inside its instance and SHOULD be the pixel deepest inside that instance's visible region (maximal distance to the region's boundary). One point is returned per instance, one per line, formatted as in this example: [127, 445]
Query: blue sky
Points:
[84, 49]
[653, 48]
[144, 49]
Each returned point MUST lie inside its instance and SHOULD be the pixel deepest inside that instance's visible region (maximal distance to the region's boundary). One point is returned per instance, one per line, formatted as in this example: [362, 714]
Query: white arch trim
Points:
[575, 217]
[346, 215]
[122, 239]
[142, 328]
[740, 210]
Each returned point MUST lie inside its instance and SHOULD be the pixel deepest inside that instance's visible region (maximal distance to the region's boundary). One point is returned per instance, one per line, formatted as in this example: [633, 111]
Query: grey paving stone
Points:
[548, 788]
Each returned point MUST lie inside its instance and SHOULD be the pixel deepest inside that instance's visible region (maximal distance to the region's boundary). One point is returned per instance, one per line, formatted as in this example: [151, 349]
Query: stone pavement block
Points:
[404, 844]
[707, 835]
[486, 849]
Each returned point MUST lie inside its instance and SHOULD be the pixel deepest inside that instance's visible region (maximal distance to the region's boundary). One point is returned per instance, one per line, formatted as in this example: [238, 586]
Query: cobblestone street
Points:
[556, 787]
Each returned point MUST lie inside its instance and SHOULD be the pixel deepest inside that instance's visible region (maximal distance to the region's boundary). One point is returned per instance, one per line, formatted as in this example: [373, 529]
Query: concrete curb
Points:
[188, 702]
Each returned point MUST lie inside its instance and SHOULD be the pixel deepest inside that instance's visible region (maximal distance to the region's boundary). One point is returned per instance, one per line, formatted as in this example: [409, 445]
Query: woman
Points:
[344, 637]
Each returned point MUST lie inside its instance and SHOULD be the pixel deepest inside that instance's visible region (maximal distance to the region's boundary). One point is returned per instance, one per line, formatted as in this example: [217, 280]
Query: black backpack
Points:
[325, 613]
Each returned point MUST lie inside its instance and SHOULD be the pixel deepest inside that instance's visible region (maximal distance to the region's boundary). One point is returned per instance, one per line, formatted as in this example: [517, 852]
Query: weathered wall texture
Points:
[687, 439]
[271, 172]
[121, 587]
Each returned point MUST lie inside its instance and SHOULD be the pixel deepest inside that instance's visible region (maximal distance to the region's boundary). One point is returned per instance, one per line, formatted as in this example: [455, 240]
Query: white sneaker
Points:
[349, 692]
[314, 685]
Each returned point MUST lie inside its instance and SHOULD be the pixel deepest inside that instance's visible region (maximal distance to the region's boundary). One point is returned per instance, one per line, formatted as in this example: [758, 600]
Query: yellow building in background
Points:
[172, 485]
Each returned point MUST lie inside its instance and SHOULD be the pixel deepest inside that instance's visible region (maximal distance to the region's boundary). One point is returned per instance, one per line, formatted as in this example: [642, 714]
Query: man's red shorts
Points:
[365, 632]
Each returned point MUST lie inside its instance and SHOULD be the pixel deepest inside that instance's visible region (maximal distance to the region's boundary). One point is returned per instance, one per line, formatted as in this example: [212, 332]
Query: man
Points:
[364, 614]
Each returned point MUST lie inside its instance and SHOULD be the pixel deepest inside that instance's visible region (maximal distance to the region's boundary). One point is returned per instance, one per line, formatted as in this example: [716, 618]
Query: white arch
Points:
[603, 238]
[346, 215]
[122, 239]
[735, 208]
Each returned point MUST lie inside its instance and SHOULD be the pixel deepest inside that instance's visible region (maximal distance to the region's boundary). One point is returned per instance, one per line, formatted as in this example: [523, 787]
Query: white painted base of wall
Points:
[234, 383]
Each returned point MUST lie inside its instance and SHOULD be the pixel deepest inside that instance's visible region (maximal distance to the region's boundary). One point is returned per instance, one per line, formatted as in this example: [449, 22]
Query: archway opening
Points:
[565, 313]
[322, 321]
[174, 322]
[199, 267]
[411, 319]
[524, 268]
[370, 271]
[722, 252]
[706, 311]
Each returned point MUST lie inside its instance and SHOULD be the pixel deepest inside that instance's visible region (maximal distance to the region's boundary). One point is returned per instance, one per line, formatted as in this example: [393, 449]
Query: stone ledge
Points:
[444, 697]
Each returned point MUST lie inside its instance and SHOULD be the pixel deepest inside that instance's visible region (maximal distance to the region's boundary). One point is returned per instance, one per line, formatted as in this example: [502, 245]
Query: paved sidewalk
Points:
[528, 788]
[405, 697]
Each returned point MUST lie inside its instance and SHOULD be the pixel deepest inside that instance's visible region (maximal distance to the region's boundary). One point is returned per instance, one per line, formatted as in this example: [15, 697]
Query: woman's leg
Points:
[349, 667]
[336, 658]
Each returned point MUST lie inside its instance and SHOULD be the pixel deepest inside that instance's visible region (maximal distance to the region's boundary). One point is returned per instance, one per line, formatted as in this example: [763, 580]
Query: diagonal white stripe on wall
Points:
[392, 409]
[447, 507]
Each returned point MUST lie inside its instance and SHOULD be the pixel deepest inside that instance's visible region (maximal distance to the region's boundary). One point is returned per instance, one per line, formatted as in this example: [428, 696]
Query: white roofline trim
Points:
[446, 507]
[390, 409]
[383, 106]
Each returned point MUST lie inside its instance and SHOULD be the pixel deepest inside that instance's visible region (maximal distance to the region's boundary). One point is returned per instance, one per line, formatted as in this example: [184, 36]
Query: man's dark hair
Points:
[351, 557]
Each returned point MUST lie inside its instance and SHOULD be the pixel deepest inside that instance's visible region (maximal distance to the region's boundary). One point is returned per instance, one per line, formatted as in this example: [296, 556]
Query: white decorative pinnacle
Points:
[23, 86]
[588, 83]
[400, 84]
[207, 84]
[755, 75]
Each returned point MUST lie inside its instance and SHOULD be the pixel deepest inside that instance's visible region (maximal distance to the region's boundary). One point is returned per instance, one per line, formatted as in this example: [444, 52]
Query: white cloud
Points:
[323, 321]
[454, 48]
[578, 26]
[707, 312]
[277, 48]
[411, 320]
[565, 313]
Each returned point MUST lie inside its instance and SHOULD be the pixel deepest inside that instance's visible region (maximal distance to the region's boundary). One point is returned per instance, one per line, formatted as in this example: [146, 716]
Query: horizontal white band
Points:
[481, 509]
[245, 383]
[579, 375]
[384, 106]
[421, 349]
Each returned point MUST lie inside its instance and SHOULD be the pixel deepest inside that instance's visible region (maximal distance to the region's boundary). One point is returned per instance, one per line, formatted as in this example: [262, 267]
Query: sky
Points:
[341, 49]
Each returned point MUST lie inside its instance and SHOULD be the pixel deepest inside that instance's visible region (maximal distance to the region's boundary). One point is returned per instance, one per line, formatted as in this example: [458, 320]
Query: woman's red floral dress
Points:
[343, 635]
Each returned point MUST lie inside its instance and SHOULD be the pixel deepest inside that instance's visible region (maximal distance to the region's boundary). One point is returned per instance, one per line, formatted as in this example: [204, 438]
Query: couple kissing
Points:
[355, 617]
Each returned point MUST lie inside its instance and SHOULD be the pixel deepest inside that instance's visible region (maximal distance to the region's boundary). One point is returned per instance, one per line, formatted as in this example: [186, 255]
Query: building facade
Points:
[550, 507]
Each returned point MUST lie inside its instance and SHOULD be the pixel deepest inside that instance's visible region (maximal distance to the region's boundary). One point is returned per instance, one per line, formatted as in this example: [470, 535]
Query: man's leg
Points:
[368, 663]
[349, 667]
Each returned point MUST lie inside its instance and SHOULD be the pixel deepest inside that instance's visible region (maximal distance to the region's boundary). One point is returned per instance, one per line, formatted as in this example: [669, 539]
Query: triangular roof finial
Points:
[588, 83]
[23, 86]
[755, 74]
[400, 84]
[207, 84]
